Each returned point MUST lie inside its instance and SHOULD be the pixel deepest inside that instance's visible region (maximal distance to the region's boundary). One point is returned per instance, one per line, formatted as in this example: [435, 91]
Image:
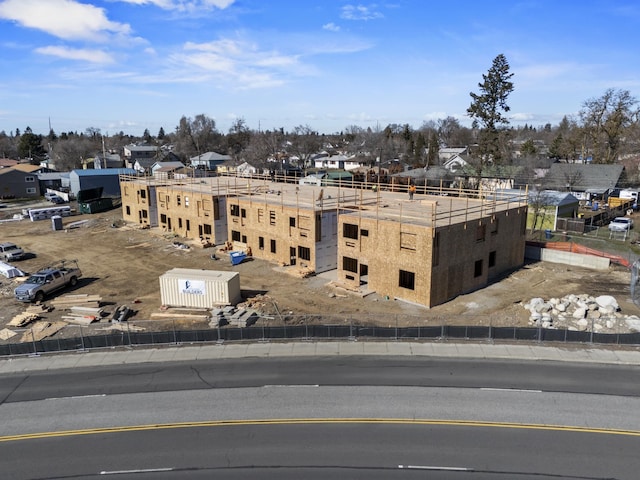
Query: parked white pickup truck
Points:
[10, 251]
[47, 280]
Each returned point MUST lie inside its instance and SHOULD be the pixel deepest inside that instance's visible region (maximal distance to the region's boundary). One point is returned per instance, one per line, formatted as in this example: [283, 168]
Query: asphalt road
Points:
[326, 371]
[336, 450]
[323, 418]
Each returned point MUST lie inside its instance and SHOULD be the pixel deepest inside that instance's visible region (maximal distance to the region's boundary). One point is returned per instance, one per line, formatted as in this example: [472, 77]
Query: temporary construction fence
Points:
[131, 337]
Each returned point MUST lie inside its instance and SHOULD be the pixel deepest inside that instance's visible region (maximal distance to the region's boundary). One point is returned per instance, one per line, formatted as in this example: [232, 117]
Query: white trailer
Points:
[185, 287]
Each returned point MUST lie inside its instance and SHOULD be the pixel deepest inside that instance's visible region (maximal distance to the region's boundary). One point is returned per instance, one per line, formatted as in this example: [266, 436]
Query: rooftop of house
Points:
[435, 207]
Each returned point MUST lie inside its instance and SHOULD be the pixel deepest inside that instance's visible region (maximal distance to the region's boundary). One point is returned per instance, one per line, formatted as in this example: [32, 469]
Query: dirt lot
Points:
[122, 265]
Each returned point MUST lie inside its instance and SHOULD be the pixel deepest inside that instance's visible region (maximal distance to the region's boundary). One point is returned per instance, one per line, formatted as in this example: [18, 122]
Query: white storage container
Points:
[185, 287]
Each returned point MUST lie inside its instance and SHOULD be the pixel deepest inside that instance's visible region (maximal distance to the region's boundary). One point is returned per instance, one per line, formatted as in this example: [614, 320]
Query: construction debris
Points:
[121, 314]
[80, 319]
[139, 245]
[82, 310]
[6, 334]
[257, 302]
[42, 329]
[38, 308]
[23, 319]
[123, 327]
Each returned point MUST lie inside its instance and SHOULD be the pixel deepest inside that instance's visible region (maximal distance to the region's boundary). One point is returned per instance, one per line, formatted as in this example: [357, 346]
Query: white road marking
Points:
[78, 396]
[142, 470]
[290, 386]
[434, 467]
[522, 390]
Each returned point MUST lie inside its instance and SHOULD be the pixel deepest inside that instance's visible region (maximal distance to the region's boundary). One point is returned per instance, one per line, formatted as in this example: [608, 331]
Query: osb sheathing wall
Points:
[191, 214]
[138, 203]
[283, 228]
[442, 261]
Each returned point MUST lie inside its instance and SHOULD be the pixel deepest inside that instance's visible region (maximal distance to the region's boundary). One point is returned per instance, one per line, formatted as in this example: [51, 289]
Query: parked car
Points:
[10, 251]
[47, 280]
[49, 195]
[57, 200]
[621, 224]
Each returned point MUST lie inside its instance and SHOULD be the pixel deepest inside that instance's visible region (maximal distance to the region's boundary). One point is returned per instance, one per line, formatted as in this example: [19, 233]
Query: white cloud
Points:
[360, 12]
[93, 56]
[66, 19]
[522, 117]
[546, 71]
[239, 62]
[184, 5]
[332, 27]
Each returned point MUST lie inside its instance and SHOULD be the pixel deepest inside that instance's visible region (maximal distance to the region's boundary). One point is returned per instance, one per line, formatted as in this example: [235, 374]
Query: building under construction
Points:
[425, 250]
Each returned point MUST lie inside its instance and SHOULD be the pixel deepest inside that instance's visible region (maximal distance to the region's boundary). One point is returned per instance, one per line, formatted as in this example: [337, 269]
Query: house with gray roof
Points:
[107, 160]
[19, 181]
[209, 160]
[586, 181]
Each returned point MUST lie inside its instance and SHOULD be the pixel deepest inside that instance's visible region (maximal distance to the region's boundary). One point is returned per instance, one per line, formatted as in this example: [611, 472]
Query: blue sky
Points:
[127, 65]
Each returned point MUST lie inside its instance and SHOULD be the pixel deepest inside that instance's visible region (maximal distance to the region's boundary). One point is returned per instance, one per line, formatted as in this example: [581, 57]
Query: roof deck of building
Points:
[430, 206]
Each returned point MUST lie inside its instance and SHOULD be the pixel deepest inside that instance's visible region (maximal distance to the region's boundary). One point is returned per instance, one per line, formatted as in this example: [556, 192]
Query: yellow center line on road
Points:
[317, 421]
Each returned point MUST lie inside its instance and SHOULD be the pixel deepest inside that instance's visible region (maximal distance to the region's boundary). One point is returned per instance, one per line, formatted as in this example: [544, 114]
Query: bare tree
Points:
[304, 142]
[73, 152]
[197, 136]
[605, 120]
[238, 138]
[539, 201]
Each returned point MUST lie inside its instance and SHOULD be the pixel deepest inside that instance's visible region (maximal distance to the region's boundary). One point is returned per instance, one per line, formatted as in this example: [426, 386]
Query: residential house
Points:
[107, 160]
[341, 162]
[143, 165]
[20, 181]
[228, 167]
[435, 176]
[209, 160]
[586, 181]
[135, 153]
[8, 162]
[165, 169]
[456, 163]
[445, 154]
[246, 170]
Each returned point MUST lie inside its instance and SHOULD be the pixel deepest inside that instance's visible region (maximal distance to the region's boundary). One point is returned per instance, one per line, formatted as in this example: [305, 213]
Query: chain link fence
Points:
[306, 328]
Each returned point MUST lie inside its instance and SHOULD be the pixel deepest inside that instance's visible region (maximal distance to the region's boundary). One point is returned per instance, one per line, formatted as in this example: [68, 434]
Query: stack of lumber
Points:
[181, 316]
[39, 308]
[81, 300]
[42, 329]
[23, 319]
[79, 318]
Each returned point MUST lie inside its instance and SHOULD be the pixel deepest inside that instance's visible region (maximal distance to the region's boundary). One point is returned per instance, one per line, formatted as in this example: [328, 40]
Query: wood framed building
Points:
[286, 224]
[430, 250]
[426, 251]
[191, 208]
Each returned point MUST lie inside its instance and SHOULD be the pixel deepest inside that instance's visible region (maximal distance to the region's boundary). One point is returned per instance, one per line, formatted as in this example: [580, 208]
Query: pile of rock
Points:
[582, 313]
